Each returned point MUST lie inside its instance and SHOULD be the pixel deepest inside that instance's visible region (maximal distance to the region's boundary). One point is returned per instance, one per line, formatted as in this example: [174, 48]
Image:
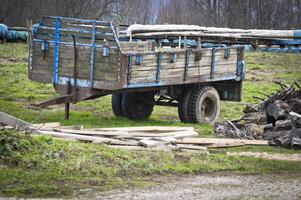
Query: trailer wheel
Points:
[183, 106]
[117, 104]
[138, 106]
[204, 105]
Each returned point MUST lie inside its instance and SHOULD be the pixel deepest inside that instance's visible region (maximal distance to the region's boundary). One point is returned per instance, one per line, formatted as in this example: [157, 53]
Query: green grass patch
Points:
[44, 167]
[13, 50]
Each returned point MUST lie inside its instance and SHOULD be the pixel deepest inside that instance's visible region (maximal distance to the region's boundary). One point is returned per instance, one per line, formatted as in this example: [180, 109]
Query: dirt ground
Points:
[212, 186]
[269, 156]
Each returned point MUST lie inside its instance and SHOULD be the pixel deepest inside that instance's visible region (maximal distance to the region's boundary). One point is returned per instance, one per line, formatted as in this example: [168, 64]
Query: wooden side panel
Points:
[41, 64]
[106, 68]
[136, 47]
[146, 72]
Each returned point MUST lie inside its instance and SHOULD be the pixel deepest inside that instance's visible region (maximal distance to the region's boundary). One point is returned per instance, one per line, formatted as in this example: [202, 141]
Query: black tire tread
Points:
[116, 102]
[194, 97]
[183, 106]
[129, 106]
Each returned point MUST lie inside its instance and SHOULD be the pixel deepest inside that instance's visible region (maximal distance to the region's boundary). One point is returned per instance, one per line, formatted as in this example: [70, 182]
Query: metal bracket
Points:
[159, 60]
[130, 62]
[92, 55]
[187, 54]
[212, 63]
[139, 59]
[227, 53]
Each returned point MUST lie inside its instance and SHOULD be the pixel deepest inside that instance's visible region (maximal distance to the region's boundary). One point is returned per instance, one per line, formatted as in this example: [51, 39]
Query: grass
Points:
[44, 167]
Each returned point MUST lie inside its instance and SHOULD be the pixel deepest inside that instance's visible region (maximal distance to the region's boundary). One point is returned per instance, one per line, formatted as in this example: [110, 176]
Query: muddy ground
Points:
[211, 186]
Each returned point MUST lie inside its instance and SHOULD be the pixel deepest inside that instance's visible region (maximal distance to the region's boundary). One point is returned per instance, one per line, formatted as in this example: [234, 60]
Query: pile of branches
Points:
[277, 118]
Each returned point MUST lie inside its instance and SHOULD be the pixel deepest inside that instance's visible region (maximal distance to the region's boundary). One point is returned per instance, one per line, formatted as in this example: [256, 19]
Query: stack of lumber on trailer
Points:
[170, 30]
[149, 138]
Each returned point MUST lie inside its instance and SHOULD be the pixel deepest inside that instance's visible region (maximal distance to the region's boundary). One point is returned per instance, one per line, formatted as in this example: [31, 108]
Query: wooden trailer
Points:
[88, 59]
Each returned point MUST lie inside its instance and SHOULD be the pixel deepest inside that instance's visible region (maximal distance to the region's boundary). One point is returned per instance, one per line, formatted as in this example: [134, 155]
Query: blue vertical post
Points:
[92, 55]
[159, 61]
[129, 68]
[212, 62]
[56, 50]
[239, 63]
[187, 55]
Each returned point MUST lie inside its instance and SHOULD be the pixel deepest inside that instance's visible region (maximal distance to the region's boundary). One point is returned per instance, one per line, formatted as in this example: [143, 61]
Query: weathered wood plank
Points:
[19, 124]
[209, 141]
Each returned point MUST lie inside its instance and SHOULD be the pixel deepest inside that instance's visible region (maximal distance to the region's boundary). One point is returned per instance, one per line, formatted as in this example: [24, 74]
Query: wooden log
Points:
[296, 132]
[296, 105]
[296, 142]
[278, 109]
[255, 117]
[267, 127]
[283, 125]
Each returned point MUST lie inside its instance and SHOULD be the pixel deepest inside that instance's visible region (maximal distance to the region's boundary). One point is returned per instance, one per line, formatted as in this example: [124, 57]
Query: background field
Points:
[41, 166]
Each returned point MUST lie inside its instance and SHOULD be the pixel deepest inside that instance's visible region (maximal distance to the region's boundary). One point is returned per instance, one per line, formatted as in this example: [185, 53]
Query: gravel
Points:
[211, 186]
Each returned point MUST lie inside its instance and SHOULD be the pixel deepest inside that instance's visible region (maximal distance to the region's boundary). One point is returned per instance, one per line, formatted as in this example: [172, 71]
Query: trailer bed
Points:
[97, 59]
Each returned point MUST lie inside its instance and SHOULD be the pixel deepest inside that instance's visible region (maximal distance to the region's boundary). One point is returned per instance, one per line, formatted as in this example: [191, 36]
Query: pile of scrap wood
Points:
[276, 119]
[132, 138]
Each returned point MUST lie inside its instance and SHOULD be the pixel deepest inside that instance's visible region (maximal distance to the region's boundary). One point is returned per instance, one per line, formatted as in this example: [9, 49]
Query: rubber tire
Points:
[198, 97]
[183, 106]
[116, 102]
[138, 106]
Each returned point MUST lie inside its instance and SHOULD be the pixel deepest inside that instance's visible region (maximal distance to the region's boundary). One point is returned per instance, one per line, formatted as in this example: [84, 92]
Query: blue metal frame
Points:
[239, 63]
[212, 62]
[92, 54]
[159, 61]
[56, 50]
[187, 54]
[139, 59]
[129, 68]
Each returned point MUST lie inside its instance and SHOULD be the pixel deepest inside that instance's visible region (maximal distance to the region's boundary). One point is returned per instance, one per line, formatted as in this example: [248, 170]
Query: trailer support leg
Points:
[67, 105]
[67, 108]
